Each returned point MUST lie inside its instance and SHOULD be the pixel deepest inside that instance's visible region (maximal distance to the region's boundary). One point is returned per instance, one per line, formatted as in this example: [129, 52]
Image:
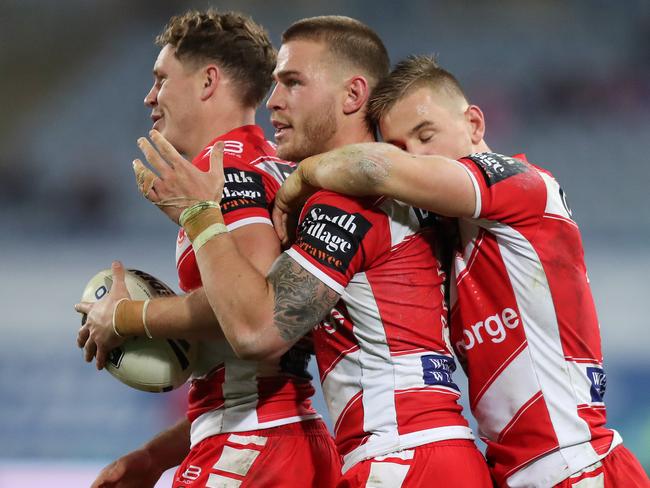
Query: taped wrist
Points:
[202, 222]
[127, 318]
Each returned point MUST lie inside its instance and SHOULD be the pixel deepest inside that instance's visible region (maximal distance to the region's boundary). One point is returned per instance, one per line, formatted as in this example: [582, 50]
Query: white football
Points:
[154, 365]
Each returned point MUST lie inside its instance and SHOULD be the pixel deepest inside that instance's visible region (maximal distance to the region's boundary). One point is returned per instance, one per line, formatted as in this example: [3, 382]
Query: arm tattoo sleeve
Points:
[301, 299]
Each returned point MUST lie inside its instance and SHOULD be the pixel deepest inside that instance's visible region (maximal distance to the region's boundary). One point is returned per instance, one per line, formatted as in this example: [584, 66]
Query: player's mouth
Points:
[281, 130]
[156, 119]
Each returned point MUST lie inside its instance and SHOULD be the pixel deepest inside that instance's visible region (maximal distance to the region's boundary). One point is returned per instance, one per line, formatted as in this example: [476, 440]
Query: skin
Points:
[426, 131]
[316, 102]
[311, 88]
[189, 104]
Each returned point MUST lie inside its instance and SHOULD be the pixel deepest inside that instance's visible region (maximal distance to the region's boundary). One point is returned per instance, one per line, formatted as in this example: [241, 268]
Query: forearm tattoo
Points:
[373, 168]
[359, 169]
[301, 299]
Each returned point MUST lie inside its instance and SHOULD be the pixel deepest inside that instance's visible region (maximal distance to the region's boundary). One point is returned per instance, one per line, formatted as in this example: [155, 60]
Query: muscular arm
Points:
[432, 183]
[178, 317]
[171, 446]
[262, 317]
[143, 467]
[191, 316]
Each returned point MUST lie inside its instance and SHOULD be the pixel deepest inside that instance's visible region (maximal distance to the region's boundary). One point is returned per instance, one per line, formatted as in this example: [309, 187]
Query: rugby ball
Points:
[154, 365]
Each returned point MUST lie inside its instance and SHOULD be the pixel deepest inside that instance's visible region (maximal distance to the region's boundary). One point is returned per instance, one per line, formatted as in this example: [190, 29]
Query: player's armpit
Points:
[301, 299]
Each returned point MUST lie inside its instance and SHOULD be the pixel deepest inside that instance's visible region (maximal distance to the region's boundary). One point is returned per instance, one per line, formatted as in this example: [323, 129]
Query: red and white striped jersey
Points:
[383, 353]
[524, 326]
[228, 394]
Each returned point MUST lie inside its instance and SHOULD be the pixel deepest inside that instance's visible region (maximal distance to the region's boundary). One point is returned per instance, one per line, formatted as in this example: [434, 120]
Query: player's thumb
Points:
[119, 281]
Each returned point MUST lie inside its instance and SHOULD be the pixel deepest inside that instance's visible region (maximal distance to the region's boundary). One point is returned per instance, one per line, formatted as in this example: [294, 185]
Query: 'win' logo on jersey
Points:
[598, 380]
[437, 370]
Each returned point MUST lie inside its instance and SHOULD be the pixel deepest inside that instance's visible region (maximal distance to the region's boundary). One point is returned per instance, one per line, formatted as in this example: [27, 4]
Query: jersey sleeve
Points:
[507, 190]
[338, 237]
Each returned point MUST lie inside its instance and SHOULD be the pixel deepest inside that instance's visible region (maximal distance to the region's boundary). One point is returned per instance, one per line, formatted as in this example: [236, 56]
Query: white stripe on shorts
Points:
[237, 461]
[387, 475]
[218, 481]
[247, 439]
[595, 482]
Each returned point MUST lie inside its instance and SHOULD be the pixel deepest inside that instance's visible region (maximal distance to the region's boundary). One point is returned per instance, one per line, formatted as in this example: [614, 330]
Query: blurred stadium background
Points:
[566, 82]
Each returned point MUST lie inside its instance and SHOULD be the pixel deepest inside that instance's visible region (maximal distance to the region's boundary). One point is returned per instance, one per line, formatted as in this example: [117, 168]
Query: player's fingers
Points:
[82, 336]
[145, 178]
[167, 151]
[277, 216]
[154, 158]
[89, 350]
[119, 280]
[216, 158]
[100, 358]
[83, 307]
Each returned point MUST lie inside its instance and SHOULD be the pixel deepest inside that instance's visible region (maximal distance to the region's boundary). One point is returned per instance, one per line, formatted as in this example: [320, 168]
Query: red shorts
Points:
[455, 462]
[620, 469]
[292, 455]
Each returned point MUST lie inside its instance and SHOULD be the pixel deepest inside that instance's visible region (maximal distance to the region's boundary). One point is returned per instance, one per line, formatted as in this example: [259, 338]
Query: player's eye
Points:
[425, 136]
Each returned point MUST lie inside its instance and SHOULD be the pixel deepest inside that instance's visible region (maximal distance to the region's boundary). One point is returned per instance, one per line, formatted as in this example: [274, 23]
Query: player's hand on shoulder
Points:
[134, 470]
[176, 183]
[285, 224]
[289, 200]
[97, 336]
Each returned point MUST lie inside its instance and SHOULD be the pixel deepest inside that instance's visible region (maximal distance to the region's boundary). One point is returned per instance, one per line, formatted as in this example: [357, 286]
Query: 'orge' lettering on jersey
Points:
[493, 328]
[341, 240]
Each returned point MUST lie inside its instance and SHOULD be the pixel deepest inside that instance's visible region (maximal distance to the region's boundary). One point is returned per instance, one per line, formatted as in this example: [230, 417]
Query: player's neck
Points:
[352, 135]
[481, 147]
[221, 124]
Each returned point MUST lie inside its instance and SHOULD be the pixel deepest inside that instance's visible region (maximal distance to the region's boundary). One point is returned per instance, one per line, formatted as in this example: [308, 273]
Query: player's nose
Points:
[275, 100]
[151, 98]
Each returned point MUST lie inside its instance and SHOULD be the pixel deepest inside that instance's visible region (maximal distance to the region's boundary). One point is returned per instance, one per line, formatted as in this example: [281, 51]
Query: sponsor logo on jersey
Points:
[236, 148]
[437, 370]
[598, 380]
[192, 473]
[242, 189]
[493, 328]
[331, 235]
[496, 168]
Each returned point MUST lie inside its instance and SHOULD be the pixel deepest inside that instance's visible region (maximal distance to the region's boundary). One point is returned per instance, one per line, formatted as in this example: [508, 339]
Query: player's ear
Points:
[476, 123]
[210, 77]
[356, 96]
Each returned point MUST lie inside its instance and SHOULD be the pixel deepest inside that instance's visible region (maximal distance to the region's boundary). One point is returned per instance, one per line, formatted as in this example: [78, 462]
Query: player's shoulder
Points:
[247, 149]
[496, 168]
[345, 202]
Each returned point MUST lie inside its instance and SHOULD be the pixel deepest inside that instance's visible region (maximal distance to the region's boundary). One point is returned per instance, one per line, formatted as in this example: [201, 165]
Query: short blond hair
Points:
[407, 75]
